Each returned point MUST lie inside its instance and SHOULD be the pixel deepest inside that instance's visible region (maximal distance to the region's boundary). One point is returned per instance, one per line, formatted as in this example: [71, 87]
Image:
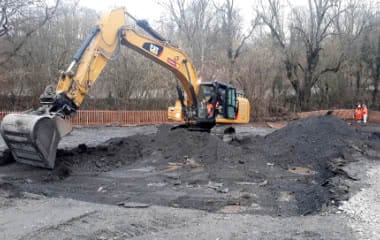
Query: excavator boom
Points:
[33, 136]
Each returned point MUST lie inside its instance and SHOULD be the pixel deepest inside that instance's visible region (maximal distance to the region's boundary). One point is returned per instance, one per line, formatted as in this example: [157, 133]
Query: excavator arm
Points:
[33, 136]
[170, 57]
[103, 44]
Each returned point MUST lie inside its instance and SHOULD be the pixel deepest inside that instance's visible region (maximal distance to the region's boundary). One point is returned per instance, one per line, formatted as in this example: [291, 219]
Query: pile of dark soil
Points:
[9, 190]
[105, 157]
[174, 145]
[292, 171]
[316, 148]
[297, 161]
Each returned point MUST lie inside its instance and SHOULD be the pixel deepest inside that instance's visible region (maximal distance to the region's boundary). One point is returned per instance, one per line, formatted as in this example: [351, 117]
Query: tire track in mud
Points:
[102, 225]
[57, 227]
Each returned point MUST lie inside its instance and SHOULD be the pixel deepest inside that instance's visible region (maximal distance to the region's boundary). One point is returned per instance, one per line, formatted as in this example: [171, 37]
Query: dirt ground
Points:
[316, 178]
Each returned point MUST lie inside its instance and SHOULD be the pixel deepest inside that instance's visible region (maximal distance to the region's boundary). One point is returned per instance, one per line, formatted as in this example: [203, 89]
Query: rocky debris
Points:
[6, 157]
[132, 205]
[364, 206]
[9, 190]
[8, 193]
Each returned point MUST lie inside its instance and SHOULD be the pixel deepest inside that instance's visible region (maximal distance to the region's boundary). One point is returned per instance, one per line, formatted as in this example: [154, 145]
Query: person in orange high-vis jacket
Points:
[210, 109]
[358, 114]
[365, 113]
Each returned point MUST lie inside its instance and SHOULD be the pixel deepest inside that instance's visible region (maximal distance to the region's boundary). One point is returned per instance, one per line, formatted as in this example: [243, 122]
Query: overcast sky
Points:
[148, 9]
[152, 11]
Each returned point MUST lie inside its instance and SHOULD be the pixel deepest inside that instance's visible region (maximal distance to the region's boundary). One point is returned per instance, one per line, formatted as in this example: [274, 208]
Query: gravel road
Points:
[363, 209]
[57, 218]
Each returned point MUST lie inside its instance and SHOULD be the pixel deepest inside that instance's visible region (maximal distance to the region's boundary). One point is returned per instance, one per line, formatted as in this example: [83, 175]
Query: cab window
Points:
[231, 103]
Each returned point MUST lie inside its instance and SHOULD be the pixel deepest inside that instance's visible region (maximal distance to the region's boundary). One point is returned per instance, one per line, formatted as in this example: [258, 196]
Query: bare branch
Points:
[49, 13]
[334, 69]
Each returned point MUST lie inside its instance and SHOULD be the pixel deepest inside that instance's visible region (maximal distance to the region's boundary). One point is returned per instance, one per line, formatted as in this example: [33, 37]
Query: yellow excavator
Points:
[33, 136]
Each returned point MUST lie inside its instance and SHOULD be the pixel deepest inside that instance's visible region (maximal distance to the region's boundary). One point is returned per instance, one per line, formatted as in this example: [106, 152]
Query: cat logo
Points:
[153, 49]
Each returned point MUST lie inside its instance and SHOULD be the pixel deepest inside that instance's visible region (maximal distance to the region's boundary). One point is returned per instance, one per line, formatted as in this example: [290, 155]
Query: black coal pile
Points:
[174, 146]
[288, 171]
[102, 158]
[315, 148]
[307, 140]
[206, 148]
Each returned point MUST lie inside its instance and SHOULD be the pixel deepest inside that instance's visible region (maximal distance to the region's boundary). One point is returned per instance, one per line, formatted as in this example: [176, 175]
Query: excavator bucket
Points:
[33, 139]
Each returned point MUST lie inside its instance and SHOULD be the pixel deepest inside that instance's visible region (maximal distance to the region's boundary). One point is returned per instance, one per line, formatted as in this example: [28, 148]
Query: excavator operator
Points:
[211, 103]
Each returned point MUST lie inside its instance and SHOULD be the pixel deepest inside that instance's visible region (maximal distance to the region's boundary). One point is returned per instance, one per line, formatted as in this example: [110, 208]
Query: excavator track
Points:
[225, 132]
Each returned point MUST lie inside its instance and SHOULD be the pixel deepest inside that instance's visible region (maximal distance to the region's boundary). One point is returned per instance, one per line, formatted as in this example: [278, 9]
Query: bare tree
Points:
[194, 20]
[302, 50]
[20, 19]
[376, 82]
[352, 28]
[232, 34]
[323, 53]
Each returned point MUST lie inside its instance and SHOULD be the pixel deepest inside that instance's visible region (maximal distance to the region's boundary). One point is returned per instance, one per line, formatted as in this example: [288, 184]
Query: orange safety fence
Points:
[118, 118]
[101, 118]
[124, 118]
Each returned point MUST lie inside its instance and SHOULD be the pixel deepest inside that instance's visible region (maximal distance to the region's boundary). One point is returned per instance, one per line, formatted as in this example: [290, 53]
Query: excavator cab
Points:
[222, 97]
[230, 105]
[216, 100]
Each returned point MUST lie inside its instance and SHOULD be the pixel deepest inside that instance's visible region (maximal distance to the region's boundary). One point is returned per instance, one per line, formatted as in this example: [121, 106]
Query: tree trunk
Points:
[304, 96]
[376, 85]
[358, 83]
[231, 72]
[377, 76]
[306, 91]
